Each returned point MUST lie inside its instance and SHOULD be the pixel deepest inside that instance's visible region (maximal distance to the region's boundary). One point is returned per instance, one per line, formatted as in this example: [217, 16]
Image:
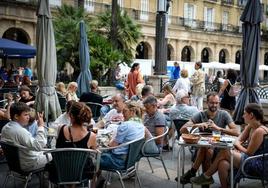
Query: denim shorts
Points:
[110, 160]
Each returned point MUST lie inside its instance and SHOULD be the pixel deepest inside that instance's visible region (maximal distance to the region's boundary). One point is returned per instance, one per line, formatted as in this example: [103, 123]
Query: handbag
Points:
[234, 89]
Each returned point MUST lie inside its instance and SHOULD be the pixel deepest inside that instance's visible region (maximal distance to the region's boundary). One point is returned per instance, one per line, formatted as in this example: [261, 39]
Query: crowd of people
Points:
[139, 112]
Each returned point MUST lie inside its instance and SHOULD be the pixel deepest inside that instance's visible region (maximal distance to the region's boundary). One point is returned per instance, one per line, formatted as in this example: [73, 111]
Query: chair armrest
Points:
[247, 160]
[121, 145]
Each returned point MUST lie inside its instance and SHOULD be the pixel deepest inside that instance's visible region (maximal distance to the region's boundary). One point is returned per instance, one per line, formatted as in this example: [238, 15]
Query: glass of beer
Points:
[216, 135]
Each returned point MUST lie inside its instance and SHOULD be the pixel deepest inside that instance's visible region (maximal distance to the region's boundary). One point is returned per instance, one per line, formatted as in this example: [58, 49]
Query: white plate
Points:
[227, 139]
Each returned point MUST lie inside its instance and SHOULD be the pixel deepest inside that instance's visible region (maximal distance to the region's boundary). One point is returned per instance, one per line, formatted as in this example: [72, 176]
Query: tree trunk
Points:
[114, 23]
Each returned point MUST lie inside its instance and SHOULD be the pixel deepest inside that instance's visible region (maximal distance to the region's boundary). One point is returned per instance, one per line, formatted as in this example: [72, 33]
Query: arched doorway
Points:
[222, 56]
[205, 55]
[170, 52]
[237, 57]
[142, 51]
[18, 35]
[186, 54]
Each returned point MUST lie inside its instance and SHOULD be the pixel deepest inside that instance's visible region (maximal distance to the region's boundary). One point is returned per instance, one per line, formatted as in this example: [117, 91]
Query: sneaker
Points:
[184, 179]
[202, 180]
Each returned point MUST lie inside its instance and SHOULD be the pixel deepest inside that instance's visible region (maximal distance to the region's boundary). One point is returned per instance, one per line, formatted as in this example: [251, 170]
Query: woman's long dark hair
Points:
[231, 75]
[134, 66]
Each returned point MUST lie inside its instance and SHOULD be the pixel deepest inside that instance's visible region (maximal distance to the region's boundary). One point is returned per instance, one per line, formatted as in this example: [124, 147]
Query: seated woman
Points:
[26, 96]
[60, 88]
[76, 135]
[131, 129]
[253, 134]
[169, 97]
[71, 92]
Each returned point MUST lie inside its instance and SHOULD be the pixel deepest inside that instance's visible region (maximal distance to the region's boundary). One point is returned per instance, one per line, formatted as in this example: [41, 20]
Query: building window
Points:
[89, 5]
[209, 18]
[55, 3]
[225, 20]
[186, 54]
[189, 15]
[205, 55]
[144, 9]
[222, 57]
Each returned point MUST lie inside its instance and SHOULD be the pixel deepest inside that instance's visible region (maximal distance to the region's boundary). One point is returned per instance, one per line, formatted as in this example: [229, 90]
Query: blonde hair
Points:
[94, 84]
[136, 107]
[184, 73]
[72, 84]
[61, 87]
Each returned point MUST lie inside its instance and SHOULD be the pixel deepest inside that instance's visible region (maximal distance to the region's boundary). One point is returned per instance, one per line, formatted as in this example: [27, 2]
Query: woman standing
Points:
[198, 83]
[228, 102]
[133, 79]
[183, 83]
[252, 136]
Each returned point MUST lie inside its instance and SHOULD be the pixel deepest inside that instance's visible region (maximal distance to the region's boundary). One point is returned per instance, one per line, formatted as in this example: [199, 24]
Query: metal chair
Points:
[96, 110]
[70, 163]
[157, 155]
[62, 101]
[133, 157]
[264, 158]
[12, 155]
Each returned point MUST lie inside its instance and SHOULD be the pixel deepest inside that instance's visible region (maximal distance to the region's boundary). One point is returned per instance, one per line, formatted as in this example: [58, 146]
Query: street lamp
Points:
[160, 37]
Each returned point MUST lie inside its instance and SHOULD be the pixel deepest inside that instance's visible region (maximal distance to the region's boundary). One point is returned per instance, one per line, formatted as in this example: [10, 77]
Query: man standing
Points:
[176, 71]
[213, 119]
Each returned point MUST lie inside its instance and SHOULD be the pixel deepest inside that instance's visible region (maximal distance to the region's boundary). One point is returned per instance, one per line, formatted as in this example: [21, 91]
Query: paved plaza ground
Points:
[158, 179]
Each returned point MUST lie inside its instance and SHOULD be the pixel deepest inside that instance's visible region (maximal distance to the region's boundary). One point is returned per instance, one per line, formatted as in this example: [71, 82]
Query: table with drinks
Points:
[212, 140]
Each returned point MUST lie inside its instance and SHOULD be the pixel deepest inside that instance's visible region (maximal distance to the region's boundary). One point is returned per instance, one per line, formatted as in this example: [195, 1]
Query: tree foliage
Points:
[103, 54]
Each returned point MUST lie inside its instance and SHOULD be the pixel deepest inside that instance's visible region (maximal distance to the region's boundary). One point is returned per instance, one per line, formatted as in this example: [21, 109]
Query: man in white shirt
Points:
[14, 132]
[115, 115]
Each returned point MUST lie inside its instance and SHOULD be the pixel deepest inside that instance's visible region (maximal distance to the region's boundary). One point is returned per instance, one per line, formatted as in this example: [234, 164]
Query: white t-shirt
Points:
[182, 83]
[113, 116]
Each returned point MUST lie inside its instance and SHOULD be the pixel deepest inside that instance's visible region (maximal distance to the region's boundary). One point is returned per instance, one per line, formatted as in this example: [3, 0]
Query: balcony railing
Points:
[227, 2]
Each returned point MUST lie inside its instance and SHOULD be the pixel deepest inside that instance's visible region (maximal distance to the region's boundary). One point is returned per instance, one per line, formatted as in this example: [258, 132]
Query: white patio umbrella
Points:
[263, 67]
[46, 99]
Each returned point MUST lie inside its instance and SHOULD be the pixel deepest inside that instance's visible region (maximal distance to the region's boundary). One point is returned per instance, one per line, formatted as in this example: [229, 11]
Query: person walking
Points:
[228, 102]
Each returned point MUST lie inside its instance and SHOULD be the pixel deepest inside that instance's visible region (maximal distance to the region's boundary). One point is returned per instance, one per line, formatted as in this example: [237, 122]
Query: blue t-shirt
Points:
[28, 72]
[126, 132]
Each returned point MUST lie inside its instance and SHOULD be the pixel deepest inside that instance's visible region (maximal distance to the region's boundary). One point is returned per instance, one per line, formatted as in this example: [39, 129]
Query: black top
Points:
[228, 102]
[91, 97]
[62, 142]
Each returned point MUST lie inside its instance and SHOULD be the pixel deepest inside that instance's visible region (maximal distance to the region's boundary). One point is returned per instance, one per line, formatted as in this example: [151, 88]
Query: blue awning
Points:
[13, 49]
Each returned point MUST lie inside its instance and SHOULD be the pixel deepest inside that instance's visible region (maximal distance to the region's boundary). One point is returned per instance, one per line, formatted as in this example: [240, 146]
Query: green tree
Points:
[66, 24]
[104, 54]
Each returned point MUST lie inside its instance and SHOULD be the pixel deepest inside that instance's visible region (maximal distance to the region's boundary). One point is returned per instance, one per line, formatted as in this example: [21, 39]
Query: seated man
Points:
[182, 110]
[214, 119]
[31, 158]
[114, 115]
[154, 120]
[92, 96]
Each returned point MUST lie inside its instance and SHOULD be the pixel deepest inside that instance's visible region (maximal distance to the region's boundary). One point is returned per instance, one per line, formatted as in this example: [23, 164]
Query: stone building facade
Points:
[203, 30]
